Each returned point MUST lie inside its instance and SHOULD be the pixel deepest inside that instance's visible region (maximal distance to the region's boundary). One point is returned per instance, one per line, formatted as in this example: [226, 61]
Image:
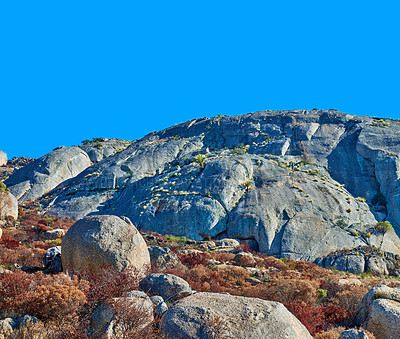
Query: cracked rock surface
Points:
[299, 184]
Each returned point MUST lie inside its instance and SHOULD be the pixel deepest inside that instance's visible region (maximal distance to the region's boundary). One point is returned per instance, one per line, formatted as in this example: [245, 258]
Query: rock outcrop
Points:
[42, 175]
[210, 315]
[105, 240]
[298, 184]
[379, 312]
[3, 158]
[8, 206]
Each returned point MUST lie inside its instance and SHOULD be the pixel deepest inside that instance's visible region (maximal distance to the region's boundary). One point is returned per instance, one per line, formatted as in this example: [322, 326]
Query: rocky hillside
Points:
[299, 184]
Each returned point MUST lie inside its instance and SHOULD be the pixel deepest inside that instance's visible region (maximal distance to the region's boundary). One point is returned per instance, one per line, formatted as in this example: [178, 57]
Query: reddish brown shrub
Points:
[193, 259]
[311, 317]
[275, 262]
[9, 241]
[56, 301]
[15, 292]
[222, 256]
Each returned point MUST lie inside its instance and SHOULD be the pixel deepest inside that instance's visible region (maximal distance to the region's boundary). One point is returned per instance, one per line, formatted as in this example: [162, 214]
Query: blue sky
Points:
[73, 70]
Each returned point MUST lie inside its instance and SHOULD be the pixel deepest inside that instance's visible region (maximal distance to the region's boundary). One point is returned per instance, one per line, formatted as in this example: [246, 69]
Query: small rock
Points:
[227, 243]
[26, 320]
[168, 286]
[353, 334]
[54, 234]
[244, 258]
[163, 257]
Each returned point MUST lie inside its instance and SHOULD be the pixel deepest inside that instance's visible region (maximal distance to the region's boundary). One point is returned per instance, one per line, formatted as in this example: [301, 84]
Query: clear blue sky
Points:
[74, 70]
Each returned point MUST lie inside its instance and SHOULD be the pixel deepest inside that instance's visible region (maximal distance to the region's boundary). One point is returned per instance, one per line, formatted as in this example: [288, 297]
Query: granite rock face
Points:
[298, 184]
[42, 175]
[195, 317]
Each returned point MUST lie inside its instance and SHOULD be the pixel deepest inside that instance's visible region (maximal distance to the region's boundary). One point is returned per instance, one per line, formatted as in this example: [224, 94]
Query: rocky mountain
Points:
[299, 184]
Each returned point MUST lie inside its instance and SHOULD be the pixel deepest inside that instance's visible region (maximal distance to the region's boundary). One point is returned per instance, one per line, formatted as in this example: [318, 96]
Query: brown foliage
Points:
[222, 256]
[56, 301]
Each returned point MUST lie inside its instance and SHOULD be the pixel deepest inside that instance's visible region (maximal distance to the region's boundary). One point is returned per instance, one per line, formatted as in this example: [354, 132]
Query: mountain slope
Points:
[296, 183]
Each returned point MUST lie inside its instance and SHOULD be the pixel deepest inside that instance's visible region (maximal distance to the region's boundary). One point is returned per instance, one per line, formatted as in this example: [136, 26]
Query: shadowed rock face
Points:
[287, 179]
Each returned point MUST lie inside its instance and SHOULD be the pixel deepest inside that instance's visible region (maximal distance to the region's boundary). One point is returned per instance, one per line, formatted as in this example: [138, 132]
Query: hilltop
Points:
[298, 184]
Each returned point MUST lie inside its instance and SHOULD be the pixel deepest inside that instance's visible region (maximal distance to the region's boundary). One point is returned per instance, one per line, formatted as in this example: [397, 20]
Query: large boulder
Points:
[3, 158]
[206, 315]
[163, 258]
[8, 205]
[170, 287]
[379, 312]
[42, 175]
[97, 241]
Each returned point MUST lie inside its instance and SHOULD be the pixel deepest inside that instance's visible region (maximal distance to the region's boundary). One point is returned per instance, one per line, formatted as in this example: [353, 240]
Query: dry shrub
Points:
[193, 259]
[108, 283]
[350, 297]
[317, 318]
[222, 256]
[234, 275]
[56, 301]
[286, 291]
[132, 320]
[277, 263]
[15, 292]
[334, 333]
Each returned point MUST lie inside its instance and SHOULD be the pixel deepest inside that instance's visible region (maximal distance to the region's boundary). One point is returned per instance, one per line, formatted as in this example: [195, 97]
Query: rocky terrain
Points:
[297, 184]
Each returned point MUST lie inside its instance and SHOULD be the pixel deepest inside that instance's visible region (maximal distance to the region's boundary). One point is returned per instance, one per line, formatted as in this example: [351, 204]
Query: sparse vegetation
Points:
[199, 159]
[383, 226]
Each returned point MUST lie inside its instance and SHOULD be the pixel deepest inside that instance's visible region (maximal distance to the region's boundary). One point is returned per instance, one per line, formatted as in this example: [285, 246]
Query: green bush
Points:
[383, 226]
[3, 187]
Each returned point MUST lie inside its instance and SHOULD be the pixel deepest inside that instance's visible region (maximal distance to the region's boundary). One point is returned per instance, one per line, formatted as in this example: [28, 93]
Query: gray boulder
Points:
[377, 265]
[96, 241]
[3, 158]
[8, 206]
[168, 286]
[350, 263]
[52, 260]
[44, 174]
[379, 312]
[210, 315]
[163, 257]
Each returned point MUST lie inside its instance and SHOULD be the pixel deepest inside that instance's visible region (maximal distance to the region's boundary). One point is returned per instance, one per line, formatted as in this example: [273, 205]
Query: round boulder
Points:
[104, 240]
[208, 315]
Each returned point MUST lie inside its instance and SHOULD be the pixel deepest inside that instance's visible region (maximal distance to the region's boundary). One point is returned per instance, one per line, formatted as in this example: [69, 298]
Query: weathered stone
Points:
[377, 265]
[353, 334]
[163, 257]
[168, 286]
[96, 241]
[52, 260]
[42, 175]
[54, 234]
[3, 158]
[238, 317]
[383, 319]
[227, 243]
[8, 206]
[378, 292]
[265, 179]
